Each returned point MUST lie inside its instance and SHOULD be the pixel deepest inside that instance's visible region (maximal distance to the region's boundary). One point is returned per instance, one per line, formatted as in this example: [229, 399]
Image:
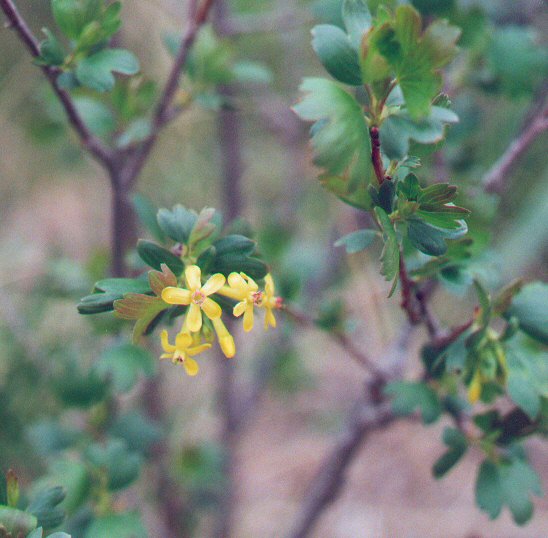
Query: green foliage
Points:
[390, 257]
[457, 446]
[357, 241]
[408, 396]
[96, 71]
[339, 134]
[73, 16]
[529, 308]
[128, 525]
[510, 483]
[45, 507]
[120, 466]
[122, 365]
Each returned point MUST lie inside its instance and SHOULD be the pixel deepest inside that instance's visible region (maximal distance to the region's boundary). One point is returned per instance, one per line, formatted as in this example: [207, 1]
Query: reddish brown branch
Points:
[409, 302]
[376, 156]
[92, 144]
[342, 339]
[369, 414]
[497, 177]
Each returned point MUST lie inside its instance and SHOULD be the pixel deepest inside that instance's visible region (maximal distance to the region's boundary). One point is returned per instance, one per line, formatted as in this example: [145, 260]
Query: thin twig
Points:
[165, 112]
[496, 178]
[341, 338]
[370, 413]
[93, 144]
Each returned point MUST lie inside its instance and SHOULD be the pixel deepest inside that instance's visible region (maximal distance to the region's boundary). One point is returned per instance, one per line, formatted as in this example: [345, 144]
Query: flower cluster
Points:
[197, 296]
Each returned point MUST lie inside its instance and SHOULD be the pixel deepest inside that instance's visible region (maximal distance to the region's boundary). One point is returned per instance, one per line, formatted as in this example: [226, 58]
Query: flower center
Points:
[257, 297]
[198, 297]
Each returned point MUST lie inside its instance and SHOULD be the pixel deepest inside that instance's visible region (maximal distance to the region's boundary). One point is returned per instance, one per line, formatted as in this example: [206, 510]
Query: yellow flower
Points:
[197, 296]
[245, 289]
[226, 341]
[183, 351]
[270, 302]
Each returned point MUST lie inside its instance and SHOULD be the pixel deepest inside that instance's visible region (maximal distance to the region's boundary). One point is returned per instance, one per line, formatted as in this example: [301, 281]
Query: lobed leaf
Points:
[339, 134]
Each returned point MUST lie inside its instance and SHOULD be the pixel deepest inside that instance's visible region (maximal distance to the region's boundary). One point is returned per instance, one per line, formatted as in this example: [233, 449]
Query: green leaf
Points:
[516, 59]
[456, 353]
[530, 308]
[400, 128]
[96, 115]
[123, 365]
[155, 255]
[357, 20]
[16, 521]
[339, 135]
[425, 237]
[246, 72]
[137, 131]
[415, 58]
[73, 15]
[390, 257]
[126, 525]
[336, 53]
[146, 211]
[121, 286]
[235, 244]
[78, 388]
[409, 396]
[524, 394]
[489, 495]
[229, 263]
[527, 376]
[73, 477]
[44, 507]
[207, 226]
[48, 437]
[519, 480]
[177, 223]
[458, 445]
[139, 432]
[121, 466]
[96, 71]
[97, 303]
[51, 51]
[357, 241]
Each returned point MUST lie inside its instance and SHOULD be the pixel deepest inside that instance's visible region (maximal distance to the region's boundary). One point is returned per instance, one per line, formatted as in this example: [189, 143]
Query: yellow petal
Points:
[165, 343]
[166, 356]
[183, 340]
[252, 285]
[227, 346]
[192, 351]
[191, 366]
[194, 318]
[214, 283]
[176, 296]
[269, 284]
[234, 293]
[220, 328]
[236, 281]
[212, 309]
[269, 319]
[239, 309]
[248, 318]
[193, 276]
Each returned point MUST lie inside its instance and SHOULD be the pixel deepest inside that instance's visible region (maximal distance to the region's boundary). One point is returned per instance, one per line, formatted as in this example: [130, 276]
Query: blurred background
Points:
[54, 244]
